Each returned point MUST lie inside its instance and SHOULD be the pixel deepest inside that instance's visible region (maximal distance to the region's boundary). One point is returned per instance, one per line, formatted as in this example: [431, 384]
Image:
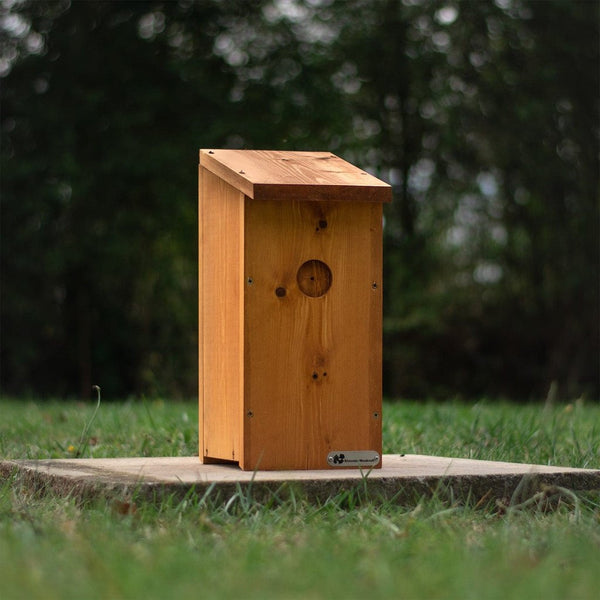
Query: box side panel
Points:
[375, 326]
[200, 320]
[312, 332]
[221, 318]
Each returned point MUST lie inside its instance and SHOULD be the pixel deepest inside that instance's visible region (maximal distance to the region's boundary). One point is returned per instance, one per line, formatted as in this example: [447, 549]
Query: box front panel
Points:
[312, 333]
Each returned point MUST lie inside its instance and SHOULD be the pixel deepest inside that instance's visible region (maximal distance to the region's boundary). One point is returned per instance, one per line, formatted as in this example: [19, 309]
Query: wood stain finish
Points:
[290, 308]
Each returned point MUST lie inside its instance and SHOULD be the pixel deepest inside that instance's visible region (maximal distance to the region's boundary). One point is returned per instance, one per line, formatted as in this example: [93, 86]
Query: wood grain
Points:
[221, 319]
[295, 176]
[290, 301]
[201, 247]
[312, 364]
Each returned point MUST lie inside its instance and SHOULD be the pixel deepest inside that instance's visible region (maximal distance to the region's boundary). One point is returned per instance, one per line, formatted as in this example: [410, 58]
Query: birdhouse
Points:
[290, 310]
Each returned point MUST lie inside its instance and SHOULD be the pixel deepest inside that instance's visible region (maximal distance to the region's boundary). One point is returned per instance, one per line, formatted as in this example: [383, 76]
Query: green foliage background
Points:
[482, 115]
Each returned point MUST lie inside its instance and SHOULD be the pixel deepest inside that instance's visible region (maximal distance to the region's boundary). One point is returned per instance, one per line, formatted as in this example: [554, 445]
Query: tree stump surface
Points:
[402, 478]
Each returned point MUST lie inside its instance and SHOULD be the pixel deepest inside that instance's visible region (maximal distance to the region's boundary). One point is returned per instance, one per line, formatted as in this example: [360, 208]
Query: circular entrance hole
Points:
[314, 278]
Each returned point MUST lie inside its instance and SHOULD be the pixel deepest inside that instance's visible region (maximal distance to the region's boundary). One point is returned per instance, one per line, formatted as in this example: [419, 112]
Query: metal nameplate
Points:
[353, 458]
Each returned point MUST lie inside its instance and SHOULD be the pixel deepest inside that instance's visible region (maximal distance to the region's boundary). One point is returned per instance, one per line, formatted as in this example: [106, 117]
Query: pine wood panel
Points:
[301, 176]
[312, 364]
[221, 217]
[200, 316]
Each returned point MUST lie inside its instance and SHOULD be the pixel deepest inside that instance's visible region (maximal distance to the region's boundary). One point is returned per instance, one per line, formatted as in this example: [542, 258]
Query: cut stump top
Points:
[405, 478]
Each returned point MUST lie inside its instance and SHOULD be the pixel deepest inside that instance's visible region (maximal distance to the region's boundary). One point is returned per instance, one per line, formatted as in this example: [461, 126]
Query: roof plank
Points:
[290, 175]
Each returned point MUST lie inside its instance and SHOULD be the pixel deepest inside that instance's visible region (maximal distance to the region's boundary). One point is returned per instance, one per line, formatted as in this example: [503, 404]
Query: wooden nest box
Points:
[290, 304]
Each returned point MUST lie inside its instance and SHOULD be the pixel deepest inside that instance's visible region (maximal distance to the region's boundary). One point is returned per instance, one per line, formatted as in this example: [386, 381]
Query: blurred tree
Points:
[482, 115]
[531, 132]
[104, 108]
[100, 130]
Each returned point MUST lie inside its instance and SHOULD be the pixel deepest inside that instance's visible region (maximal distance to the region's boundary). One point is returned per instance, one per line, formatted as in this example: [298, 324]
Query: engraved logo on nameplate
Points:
[353, 458]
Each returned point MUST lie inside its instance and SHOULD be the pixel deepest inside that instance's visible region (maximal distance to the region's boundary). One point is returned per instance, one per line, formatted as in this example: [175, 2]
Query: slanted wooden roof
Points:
[286, 175]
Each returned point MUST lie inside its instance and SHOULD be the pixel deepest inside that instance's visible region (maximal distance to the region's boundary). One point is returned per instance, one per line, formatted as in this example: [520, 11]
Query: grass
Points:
[566, 434]
[347, 547]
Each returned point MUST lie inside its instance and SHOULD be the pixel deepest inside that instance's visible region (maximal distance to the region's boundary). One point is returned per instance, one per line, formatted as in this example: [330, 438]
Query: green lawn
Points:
[343, 548]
